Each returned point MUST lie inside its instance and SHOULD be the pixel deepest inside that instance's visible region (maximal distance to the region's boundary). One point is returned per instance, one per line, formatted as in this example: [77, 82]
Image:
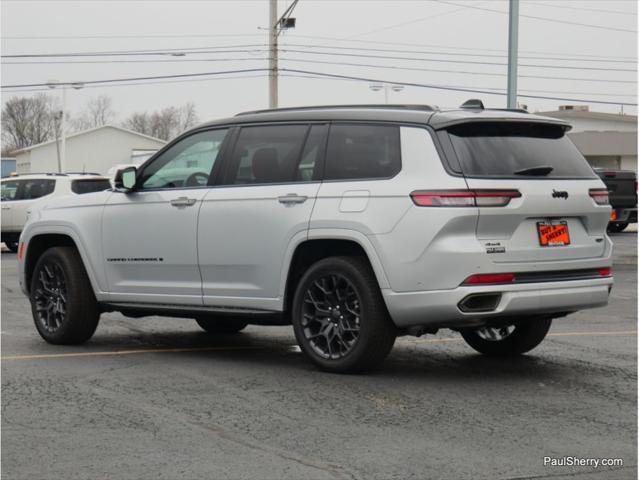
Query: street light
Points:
[376, 87]
[62, 154]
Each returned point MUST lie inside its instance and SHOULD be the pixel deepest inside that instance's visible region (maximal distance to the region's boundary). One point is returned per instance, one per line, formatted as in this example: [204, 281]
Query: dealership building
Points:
[96, 150]
[607, 140]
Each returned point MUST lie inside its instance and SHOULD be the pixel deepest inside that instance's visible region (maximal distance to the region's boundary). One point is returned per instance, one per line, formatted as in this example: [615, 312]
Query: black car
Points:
[622, 187]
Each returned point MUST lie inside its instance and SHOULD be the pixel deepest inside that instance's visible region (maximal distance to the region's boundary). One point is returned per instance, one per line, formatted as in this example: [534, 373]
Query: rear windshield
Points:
[517, 150]
[89, 186]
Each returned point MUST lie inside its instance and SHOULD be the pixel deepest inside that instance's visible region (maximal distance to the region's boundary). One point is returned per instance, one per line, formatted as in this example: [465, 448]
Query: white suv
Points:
[354, 224]
[22, 194]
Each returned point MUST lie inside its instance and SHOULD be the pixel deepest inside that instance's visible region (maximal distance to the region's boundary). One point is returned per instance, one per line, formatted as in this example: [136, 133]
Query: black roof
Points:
[424, 114]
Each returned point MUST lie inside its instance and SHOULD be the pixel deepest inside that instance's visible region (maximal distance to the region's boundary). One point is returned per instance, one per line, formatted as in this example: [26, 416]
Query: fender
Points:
[333, 234]
[96, 277]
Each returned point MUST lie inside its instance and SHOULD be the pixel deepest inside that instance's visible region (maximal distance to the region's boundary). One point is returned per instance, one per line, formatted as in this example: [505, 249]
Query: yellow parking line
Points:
[218, 349]
[576, 334]
[124, 352]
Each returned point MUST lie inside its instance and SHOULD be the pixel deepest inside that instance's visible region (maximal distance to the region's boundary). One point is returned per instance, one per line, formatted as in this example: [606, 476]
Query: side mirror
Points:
[124, 180]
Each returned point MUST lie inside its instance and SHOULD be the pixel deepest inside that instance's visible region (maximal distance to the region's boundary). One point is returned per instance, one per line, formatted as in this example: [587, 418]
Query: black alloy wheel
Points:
[339, 316]
[331, 316]
[50, 296]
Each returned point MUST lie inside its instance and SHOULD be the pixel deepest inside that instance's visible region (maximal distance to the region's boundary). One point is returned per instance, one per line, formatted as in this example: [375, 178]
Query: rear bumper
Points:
[440, 308]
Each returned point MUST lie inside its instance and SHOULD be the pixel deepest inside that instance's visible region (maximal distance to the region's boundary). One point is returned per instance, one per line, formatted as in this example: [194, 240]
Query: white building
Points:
[607, 140]
[95, 150]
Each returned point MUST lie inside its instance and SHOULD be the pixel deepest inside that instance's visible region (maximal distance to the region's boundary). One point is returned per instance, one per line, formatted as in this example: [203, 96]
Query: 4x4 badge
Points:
[559, 194]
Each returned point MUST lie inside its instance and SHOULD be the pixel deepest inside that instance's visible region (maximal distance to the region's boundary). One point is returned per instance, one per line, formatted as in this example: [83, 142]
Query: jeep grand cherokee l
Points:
[355, 224]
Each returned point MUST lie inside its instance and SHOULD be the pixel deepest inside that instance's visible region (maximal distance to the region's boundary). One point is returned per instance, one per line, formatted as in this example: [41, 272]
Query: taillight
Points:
[605, 271]
[489, 278]
[21, 251]
[463, 198]
[600, 196]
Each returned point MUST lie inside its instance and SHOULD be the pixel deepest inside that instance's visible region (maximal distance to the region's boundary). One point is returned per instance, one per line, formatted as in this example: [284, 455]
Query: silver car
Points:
[355, 224]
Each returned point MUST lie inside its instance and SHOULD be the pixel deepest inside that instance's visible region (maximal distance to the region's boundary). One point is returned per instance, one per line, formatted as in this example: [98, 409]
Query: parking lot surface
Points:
[158, 398]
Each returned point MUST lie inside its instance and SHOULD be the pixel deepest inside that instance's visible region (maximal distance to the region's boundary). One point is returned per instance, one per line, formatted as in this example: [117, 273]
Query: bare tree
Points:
[98, 112]
[27, 121]
[165, 123]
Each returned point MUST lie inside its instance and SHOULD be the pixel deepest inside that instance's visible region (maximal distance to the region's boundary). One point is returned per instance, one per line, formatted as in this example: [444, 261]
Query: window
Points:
[501, 149]
[9, 190]
[362, 151]
[187, 163]
[267, 154]
[36, 188]
[89, 185]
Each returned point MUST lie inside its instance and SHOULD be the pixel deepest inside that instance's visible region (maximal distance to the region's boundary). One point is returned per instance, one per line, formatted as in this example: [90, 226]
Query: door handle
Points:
[183, 202]
[6, 208]
[292, 198]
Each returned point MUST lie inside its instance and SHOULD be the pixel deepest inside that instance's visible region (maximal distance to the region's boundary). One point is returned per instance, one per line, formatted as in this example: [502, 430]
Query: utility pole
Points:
[62, 149]
[513, 40]
[63, 132]
[272, 48]
[276, 25]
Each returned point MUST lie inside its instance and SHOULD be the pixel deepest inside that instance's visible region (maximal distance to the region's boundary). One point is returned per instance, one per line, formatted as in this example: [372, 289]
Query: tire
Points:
[617, 227]
[362, 337]
[59, 276]
[523, 338]
[12, 246]
[220, 324]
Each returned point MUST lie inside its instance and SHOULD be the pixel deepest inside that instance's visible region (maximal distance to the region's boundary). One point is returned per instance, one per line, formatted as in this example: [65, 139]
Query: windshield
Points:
[520, 150]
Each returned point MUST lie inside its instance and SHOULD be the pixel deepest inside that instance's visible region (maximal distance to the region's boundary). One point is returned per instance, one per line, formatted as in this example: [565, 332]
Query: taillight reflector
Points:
[600, 196]
[489, 278]
[463, 198]
[605, 271]
[21, 251]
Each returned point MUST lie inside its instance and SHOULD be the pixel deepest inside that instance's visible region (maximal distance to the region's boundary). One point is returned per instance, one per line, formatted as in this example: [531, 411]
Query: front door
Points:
[149, 235]
[262, 206]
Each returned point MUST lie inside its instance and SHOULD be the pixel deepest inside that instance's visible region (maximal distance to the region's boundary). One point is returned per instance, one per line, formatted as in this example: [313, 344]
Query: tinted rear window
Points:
[35, 188]
[362, 151]
[501, 149]
[89, 186]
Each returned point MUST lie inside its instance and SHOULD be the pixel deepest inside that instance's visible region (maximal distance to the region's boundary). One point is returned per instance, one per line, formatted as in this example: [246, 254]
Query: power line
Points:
[350, 64]
[554, 5]
[291, 75]
[545, 19]
[310, 37]
[326, 75]
[259, 47]
[315, 52]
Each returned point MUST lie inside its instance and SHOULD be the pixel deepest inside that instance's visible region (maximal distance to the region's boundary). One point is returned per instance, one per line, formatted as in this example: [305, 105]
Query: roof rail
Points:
[53, 174]
[424, 108]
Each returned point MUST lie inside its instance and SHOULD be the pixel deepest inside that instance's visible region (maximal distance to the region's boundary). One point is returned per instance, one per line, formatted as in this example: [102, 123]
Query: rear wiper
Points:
[540, 171]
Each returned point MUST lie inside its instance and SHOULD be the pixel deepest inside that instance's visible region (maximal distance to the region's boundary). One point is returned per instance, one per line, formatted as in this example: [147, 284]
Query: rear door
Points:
[31, 196]
[260, 207]
[554, 218]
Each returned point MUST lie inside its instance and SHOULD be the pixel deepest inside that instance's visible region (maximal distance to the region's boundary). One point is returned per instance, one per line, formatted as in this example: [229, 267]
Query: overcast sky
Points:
[591, 44]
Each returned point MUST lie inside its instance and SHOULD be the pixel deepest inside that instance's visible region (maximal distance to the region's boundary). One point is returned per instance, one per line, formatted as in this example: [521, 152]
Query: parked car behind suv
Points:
[354, 224]
[622, 193]
[21, 194]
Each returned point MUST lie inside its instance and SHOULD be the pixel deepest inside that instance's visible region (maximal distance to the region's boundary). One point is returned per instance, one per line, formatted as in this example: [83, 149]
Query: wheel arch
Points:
[40, 242]
[323, 244]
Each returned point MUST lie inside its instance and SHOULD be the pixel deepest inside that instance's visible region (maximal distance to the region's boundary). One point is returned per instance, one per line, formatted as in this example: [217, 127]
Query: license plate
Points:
[553, 234]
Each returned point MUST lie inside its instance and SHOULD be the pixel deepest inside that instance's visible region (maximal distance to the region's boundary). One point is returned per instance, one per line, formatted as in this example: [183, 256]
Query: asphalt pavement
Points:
[157, 398]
